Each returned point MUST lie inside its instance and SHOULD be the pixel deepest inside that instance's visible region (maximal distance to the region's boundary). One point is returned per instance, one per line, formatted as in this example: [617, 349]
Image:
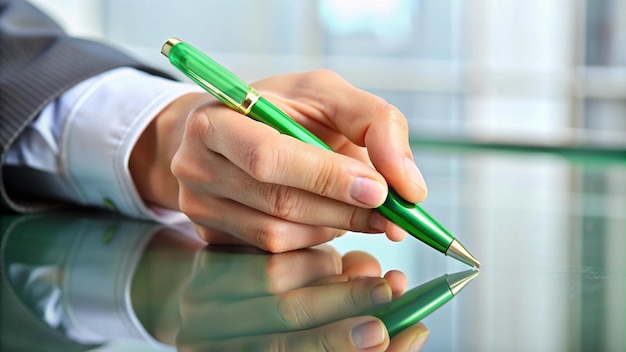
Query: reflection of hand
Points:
[233, 175]
[306, 300]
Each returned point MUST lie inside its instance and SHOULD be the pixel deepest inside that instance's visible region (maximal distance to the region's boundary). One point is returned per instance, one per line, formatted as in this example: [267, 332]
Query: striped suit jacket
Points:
[38, 62]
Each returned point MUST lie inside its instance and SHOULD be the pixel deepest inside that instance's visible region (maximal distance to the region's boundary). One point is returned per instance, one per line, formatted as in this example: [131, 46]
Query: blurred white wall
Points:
[83, 18]
[528, 71]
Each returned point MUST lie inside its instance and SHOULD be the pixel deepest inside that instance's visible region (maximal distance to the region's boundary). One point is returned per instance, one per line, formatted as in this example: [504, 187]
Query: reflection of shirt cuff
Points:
[100, 133]
[97, 281]
[38, 287]
[79, 279]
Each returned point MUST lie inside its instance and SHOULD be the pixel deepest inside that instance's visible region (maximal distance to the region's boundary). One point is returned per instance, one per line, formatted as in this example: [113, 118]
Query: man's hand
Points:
[240, 181]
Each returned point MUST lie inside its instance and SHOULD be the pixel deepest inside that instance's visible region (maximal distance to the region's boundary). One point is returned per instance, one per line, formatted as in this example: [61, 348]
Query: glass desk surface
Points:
[549, 230]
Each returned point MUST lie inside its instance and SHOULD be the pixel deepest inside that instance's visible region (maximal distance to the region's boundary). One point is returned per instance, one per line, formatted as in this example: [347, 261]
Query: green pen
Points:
[237, 95]
[422, 300]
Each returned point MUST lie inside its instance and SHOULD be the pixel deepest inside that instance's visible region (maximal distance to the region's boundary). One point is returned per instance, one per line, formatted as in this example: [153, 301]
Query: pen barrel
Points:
[414, 220]
[414, 305]
[223, 84]
[269, 114]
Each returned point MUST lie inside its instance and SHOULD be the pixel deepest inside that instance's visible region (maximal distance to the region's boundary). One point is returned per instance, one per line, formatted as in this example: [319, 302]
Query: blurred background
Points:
[527, 72]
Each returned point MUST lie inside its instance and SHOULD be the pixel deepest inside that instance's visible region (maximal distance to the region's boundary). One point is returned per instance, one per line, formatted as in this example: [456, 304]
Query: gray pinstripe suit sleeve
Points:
[38, 62]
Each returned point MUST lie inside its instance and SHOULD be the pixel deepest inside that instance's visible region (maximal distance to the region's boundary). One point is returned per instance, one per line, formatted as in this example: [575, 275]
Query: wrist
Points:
[151, 157]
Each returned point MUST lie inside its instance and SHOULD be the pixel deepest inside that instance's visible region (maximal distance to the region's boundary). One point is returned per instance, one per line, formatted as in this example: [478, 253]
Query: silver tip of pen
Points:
[457, 251]
[458, 281]
[169, 44]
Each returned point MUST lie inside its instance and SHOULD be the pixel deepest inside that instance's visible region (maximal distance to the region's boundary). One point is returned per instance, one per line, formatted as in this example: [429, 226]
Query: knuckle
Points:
[204, 233]
[177, 166]
[284, 201]
[260, 161]
[199, 122]
[325, 180]
[381, 105]
[270, 238]
[352, 297]
[189, 167]
[190, 209]
[185, 203]
[393, 114]
[185, 308]
[277, 344]
[275, 270]
[317, 78]
[335, 233]
[180, 165]
[357, 218]
[327, 343]
[205, 236]
[319, 75]
[293, 312]
[198, 210]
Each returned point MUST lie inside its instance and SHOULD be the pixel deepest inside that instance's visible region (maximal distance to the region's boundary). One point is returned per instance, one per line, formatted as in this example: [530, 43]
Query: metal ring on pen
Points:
[251, 98]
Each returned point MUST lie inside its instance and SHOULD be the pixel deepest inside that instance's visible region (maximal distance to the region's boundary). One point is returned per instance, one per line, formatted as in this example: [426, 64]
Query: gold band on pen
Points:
[251, 98]
[169, 44]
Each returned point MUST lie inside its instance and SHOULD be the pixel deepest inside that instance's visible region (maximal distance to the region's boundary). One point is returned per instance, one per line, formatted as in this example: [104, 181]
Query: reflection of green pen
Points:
[422, 300]
[236, 94]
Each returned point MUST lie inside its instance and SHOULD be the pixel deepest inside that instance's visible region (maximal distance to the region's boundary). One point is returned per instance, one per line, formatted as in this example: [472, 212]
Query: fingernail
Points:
[368, 335]
[368, 191]
[419, 342]
[414, 174]
[381, 294]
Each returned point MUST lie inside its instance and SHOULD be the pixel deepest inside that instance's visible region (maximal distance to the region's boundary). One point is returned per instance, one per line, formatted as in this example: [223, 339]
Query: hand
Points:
[240, 181]
[301, 300]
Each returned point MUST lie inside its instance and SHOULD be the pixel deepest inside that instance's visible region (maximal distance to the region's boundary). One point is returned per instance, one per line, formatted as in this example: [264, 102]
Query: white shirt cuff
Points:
[101, 131]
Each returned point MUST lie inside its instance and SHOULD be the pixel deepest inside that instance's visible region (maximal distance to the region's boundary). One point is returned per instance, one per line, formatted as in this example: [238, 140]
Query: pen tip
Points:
[458, 251]
[458, 281]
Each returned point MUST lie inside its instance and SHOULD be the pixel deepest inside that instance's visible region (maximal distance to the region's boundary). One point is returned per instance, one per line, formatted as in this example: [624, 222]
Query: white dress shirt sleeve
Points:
[84, 140]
